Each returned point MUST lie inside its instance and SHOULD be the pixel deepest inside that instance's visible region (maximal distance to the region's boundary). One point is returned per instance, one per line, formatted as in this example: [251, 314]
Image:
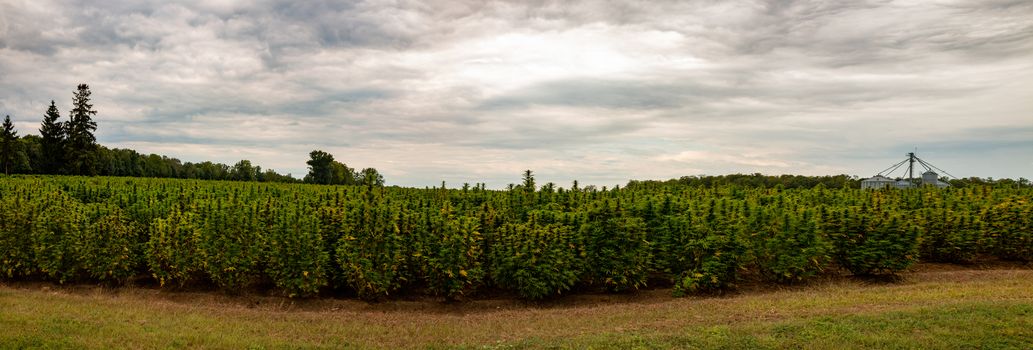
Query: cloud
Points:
[477, 91]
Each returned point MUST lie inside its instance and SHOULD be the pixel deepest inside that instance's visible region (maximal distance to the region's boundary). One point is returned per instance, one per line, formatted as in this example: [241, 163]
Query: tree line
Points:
[757, 180]
[70, 147]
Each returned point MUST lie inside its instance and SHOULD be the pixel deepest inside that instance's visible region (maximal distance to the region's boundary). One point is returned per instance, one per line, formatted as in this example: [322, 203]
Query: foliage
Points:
[716, 260]
[296, 259]
[452, 254]
[172, 250]
[368, 177]
[16, 224]
[371, 255]
[618, 253]
[81, 146]
[109, 248]
[873, 241]
[380, 241]
[231, 245]
[52, 133]
[56, 234]
[789, 248]
[535, 260]
[1011, 228]
[8, 145]
[949, 237]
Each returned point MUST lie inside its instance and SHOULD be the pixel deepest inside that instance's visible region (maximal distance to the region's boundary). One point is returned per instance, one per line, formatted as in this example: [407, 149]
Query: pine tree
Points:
[81, 145]
[8, 142]
[52, 132]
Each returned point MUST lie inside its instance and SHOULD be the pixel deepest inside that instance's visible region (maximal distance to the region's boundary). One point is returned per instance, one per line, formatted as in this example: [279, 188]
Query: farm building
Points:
[929, 177]
[877, 181]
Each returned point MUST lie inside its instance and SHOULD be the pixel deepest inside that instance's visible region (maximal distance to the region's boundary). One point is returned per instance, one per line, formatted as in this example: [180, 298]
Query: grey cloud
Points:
[619, 94]
[387, 84]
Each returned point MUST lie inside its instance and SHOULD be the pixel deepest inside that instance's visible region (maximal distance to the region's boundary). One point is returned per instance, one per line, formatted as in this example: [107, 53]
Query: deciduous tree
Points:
[371, 177]
[320, 168]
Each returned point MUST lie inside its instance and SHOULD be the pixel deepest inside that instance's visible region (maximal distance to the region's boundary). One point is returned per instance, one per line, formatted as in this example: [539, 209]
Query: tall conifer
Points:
[52, 133]
[8, 142]
[81, 144]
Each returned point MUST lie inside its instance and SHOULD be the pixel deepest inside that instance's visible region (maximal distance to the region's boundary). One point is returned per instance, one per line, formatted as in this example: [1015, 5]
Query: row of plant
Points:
[376, 242]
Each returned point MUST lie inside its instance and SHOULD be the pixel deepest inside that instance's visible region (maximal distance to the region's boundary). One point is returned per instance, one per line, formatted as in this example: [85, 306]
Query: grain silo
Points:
[929, 177]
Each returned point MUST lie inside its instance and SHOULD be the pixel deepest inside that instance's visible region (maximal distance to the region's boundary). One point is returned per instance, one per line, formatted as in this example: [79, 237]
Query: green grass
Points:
[964, 325]
[929, 310]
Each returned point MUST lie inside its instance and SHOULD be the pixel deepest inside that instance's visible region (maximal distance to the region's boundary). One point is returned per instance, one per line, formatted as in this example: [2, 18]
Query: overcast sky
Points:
[598, 91]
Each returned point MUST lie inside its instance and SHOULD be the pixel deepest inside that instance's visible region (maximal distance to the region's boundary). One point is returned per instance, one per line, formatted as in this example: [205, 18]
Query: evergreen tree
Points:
[8, 144]
[82, 145]
[52, 132]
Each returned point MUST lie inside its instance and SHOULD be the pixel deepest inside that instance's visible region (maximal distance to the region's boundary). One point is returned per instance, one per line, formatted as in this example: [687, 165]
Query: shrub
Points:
[231, 245]
[716, 252]
[110, 248]
[791, 249]
[16, 224]
[716, 259]
[536, 261]
[55, 237]
[1011, 229]
[618, 254]
[333, 224]
[874, 242]
[452, 253]
[950, 237]
[371, 255]
[296, 260]
[172, 250]
[672, 245]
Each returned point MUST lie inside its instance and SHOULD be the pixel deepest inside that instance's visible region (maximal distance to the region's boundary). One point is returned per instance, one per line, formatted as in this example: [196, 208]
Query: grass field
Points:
[932, 307]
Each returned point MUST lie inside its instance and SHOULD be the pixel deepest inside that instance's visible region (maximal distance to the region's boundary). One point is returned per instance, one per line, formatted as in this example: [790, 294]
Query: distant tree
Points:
[342, 174]
[271, 175]
[53, 135]
[320, 168]
[372, 177]
[243, 171]
[156, 166]
[81, 146]
[28, 155]
[528, 184]
[8, 145]
[259, 175]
